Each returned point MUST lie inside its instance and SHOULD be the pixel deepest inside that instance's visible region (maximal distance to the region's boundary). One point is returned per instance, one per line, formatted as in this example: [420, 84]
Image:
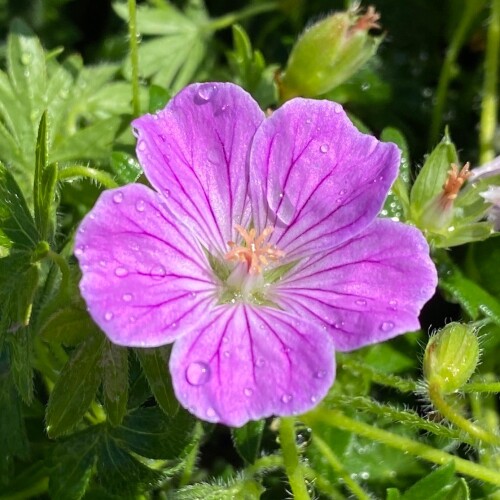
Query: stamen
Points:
[255, 253]
[367, 21]
[454, 182]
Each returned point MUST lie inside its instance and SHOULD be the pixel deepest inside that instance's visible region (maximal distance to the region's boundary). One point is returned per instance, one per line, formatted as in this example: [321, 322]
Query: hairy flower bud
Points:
[451, 357]
[329, 52]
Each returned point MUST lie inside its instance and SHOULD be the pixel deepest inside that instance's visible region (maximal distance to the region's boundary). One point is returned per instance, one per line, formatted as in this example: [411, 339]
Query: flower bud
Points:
[328, 53]
[451, 357]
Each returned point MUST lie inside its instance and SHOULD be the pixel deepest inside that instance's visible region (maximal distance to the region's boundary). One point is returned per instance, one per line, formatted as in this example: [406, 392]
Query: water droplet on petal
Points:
[324, 148]
[286, 398]
[248, 392]
[387, 326]
[141, 146]
[121, 272]
[313, 399]
[320, 374]
[118, 197]
[361, 302]
[226, 354]
[206, 92]
[158, 272]
[140, 205]
[102, 263]
[108, 316]
[132, 319]
[260, 362]
[211, 413]
[342, 192]
[393, 303]
[127, 297]
[198, 373]
[337, 108]
[79, 251]
[166, 193]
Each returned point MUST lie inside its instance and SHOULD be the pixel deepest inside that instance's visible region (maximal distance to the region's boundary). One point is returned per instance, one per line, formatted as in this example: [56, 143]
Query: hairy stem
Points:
[448, 412]
[471, 9]
[339, 420]
[339, 469]
[134, 56]
[291, 459]
[489, 104]
[78, 171]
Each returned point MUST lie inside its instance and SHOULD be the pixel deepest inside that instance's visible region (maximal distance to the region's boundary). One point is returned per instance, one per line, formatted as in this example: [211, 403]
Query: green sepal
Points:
[276, 273]
[220, 268]
[432, 176]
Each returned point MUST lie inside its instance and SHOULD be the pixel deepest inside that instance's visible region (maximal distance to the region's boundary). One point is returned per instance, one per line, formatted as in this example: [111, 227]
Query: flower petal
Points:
[367, 290]
[145, 280]
[246, 363]
[315, 177]
[195, 153]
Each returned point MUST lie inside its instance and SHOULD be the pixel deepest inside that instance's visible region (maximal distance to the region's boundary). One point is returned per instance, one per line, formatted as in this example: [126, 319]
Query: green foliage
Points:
[81, 417]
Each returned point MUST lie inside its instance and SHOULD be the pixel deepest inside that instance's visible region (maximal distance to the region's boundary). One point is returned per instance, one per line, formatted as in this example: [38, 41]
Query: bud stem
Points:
[448, 412]
[291, 459]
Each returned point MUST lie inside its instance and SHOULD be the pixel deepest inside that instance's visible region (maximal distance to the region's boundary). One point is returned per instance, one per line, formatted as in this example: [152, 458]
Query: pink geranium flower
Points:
[258, 251]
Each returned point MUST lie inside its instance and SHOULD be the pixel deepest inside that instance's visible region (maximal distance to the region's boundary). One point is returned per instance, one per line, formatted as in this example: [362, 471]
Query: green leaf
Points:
[120, 473]
[147, 432]
[247, 439]
[16, 221]
[69, 326]
[474, 299]
[73, 460]
[158, 98]
[21, 349]
[393, 494]
[155, 365]
[125, 167]
[459, 492]
[432, 176]
[172, 58]
[13, 439]
[434, 486]
[76, 387]
[100, 135]
[114, 365]
[234, 490]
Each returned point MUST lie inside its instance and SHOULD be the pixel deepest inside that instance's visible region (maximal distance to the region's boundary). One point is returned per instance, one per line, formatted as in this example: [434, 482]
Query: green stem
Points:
[323, 485]
[472, 8]
[78, 171]
[341, 421]
[489, 105]
[264, 464]
[407, 417]
[481, 387]
[228, 20]
[339, 469]
[134, 56]
[448, 412]
[191, 458]
[399, 383]
[291, 459]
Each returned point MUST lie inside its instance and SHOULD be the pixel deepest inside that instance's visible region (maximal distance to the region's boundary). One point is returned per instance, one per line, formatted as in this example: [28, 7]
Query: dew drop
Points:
[211, 413]
[127, 297]
[387, 326]
[118, 197]
[393, 303]
[158, 272]
[198, 373]
[79, 251]
[166, 193]
[108, 316]
[132, 319]
[248, 392]
[102, 263]
[206, 92]
[342, 192]
[320, 374]
[337, 108]
[260, 362]
[313, 399]
[286, 398]
[324, 148]
[361, 302]
[140, 205]
[226, 354]
[141, 146]
[121, 272]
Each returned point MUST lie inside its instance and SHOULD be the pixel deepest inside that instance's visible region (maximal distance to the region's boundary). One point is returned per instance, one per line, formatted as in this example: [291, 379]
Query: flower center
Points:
[255, 252]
